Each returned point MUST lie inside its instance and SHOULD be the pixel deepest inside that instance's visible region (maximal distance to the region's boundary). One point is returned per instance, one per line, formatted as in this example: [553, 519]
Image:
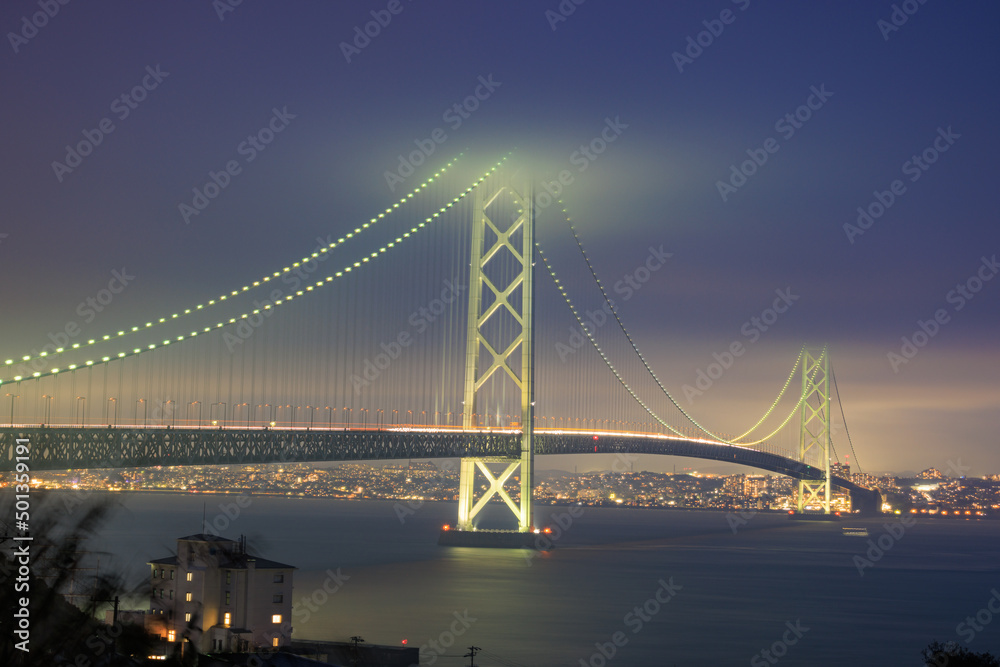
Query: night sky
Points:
[741, 136]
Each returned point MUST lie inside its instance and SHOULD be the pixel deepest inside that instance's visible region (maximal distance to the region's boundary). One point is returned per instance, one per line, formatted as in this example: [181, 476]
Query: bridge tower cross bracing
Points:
[814, 431]
[518, 239]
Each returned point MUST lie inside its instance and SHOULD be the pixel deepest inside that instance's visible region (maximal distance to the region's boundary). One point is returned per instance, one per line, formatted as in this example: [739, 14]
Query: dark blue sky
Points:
[656, 183]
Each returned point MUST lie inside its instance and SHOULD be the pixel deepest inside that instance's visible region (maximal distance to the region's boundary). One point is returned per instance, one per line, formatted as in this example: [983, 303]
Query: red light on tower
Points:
[404, 641]
[595, 438]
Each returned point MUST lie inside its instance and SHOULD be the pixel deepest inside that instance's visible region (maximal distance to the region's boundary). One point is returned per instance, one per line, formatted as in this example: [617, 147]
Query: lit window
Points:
[274, 642]
[187, 617]
[156, 573]
[276, 618]
[171, 575]
[171, 635]
[227, 597]
[279, 578]
[226, 619]
[187, 597]
[278, 598]
[189, 576]
[229, 576]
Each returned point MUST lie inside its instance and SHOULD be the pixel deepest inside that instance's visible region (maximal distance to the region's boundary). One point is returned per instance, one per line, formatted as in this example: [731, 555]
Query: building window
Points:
[170, 593]
[274, 642]
[171, 575]
[187, 617]
[276, 618]
[226, 619]
[189, 576]
[187, 597]
[156, 573]
[161, 593]
[229, 576]
[228, 594]
[171, 635]
[279, 578]
[278, 598]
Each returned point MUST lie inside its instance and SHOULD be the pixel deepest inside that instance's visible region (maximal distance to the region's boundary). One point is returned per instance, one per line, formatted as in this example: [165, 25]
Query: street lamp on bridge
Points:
[241, 405]
[83, 416]
[364, 418]
[145, 411]
[187, 409]
[12, 397]
[114, 400]
[48, 407]
[211, 410]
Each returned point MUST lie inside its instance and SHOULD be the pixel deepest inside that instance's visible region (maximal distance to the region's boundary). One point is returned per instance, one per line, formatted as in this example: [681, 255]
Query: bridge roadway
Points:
[61, 448]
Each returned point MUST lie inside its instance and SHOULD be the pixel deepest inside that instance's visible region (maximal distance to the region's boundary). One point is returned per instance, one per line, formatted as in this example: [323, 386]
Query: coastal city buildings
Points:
[930, 492]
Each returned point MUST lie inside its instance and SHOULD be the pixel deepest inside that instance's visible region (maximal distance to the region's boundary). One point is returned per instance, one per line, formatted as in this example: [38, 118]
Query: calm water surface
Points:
[733, 592]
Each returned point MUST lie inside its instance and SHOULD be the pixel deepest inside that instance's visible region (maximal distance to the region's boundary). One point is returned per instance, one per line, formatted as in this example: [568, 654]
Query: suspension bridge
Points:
[429, 330]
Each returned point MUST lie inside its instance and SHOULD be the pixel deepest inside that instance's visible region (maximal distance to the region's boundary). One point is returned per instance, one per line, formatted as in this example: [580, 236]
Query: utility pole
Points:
[357, 640]
[471, 655]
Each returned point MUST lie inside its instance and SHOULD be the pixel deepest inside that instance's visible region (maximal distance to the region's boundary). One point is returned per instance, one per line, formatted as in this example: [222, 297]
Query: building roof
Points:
[230, 558]
[203, 537]
[169, 560]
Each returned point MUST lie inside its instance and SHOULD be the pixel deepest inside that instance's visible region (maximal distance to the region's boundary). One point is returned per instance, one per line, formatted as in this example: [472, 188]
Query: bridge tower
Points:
[814, 432]
[501, 288]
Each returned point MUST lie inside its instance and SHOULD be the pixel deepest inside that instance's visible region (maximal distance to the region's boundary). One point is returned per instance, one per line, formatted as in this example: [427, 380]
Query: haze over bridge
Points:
[376, 360]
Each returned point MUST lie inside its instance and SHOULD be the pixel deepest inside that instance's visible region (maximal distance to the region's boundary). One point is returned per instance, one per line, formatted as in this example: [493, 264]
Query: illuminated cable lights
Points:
[285, 270]
[323, 282]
